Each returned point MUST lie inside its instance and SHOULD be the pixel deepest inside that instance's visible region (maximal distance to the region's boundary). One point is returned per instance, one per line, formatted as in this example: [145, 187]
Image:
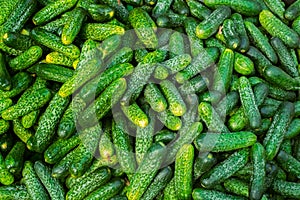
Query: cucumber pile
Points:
[149, 99]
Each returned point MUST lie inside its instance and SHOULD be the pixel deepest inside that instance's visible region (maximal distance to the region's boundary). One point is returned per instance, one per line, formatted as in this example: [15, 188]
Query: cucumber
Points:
[198, 10]
[240, 29]
[121, 12]
[19, 130]
[103, 103]
[100, 32]
[123, 149]
[183, 174]
[287, 62]
[107, 191]
[230, 33]
[56, 151]
[135, 115]
[14, 159]
[124, 55]
[211, 118]
[170, 20]
[55, 26]
[277, 28]
[161, 72]
[176, 45]
[288, 163]
[14, 192]
[277, 7]
[89, 184]
[59, 59]
[51, 10]
[20, 82]
[243, 65]
[222, 76]
[287, 189]
[5, 78]
[225, 169]
[227, 104]
[100, 13]
[237, 187]
[203, 163]
[180, 7]
[4, 126]
[52, 185]
[286, 146]
[249, 102]
[7, 8]
[5, 103]
[146, 171]
[26, 59]
[294, 129]
[177, 63]
[198, 84]
[32, 182]
[292, 11]
[161, 7]
[33, 102]
[106, 147]
[53, 42]
[296, 25]
[169, 120]
[201, 194]
[214, 142]
[275, 134]
[155, 98]
[6, 178]
[210, 25]
[258, 58]
[53, 72]
[47, 124]
[170, 191]
[110, 45]
[258, 178]
[73, 26]
[165, 136]
[30, 119]
[247, 7]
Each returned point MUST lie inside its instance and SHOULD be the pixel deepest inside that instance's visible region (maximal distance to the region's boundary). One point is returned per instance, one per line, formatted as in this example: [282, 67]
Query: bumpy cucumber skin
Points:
[22, 133]
[172, 122]
[97, 31]
[6, 178]
[237, 186]
[5, 78]
[155, 98]
[30, 119]
[7, 8]
[240, 28]
[277, 7]
[292, 11]
[198, 10]
[100, 13]
[53, 72]
[14, 159]
[59, 59]
[243, 64]
[288, 189]
[288, 163]
[201, 194]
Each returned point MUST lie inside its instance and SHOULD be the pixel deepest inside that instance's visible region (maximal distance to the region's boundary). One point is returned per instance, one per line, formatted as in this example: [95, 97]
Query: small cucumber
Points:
[288, 163]
[155, 98]
[5, 78]
[294, 129]
[14, 192]
[169, 120]
[165, 136]
[121, 12]
[237, 187]
[136, 115]
[53, 72]
[4, 126]
[240, 29]
[198, 84]
[198, 10]
[177, 63]
[293, 11]
[20, 131]
[59, 59]
[277, 7]
[243, 65]
[100, 13]
[106, 147]
[7, 8]
[201, 194]
[5, 103]
[6, 178]
[161, 7]
[30, 119]
[203, 163]
[287, 189]
[99, 32]
[124, 55]
[230, 33]
[14, 159]
[176, 45]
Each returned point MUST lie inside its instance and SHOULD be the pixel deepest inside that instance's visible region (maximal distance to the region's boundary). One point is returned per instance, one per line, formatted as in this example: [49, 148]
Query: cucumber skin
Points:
[288, 163]
[203, 194]
[14, 159]
[183, 174]
[294, 129]
[155, 98]
[275, 134]
[7, 8]
[100, 32]
[288, 189]
[22, 133]
[6, 178]
[5, 78]
[240, 28]
[30, 119]
[53, 72]
[59, 59]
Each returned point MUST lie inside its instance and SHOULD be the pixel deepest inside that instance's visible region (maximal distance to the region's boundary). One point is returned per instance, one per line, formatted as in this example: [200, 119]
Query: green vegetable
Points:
[14, 159]
[5, 79]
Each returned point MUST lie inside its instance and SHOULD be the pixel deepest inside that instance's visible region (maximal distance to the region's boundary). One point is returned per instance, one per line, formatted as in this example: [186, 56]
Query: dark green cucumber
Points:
[230, 33]
[30, 119]
[14, 159]
[47, 124]
[176, 45]
[277, 28]
[214, 142]
[169, 120]
[203, 163]
[5, 103]
[240, 29]
[287, 62]
[121, 12]
[32, 182]
[201, 194]
[210, 25]
[136, 115]
[7, 8]
[287, 189]
[293, 11]
[146, 171]
[237, 187]
[59, 59]
[275, 134]
[286, 146]
[214, 42]
[56, 25]
[6, 178]
[122, 56]
[227, 104]
[296, 25]
[259, 173]
[26, 59]
[180, 7]
[249, 102]
[53, 72]
[103, 103]
[100, 13]
[52, 185]
[223, 73]
[212, 97]
[161, 7]
[225, 169]
[19, 130]
[52, 41]
[155, 98]
[165, 136]
[106, 147]
[33, 102]
[89, 184]
[258, 58]
[277, 7]
[198, 84]
[198, 10]
[288, 163]
[5, 78]
[73, 26]
[52, 10]
[183, 174]
[56, 151]
[177, 63]
[294, 129]
[110, 45]
[261, 41]
[14, 192]
[243, 65]
[4, 126]
[107, 191]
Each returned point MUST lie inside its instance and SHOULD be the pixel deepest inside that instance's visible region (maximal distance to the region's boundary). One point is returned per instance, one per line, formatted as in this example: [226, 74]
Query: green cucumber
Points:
[52, 41]
[135, 114]
[286, 146]
[275, 134]
[155, 98]
[7, 8]
[227, 104]
[214, 42]
[103, 103]
[201, 194]
[20, 131]
[161, 7]
[176, 45]
[277, 7]
[98, 31]
[59, 59]
[287, 189]
[198, 84]
[210, 25]
[230, 33]
[261, 41]
[30, 119]
[294, 129]
[32, 182]
[165, 136]
[124, 55]
[225, 169]
[56, 25]
[51, 10]
[89, 184]
[169, 120]
[6, 178]
[161, 72]
[33, 102]
[288, 163]
[14, 192]
[180, 7]
[52, 185]
[5, 78]
[26, 59]
[258, 58]
[198, 10]
[146, 171]
[287, 62]
[243, 65]
[4, 126]
[183, 174]
[56, 151]
[240, 29]
[14, 159]
[107, 191]
[249, 102]
[106, 147]
[277, 28]
[53, 72]
[237, 187]
[5, 103]
[214, 142]
[203, 163]
[110, 45]
[292, 11]
[177, 63]
[296, 25]
[100, 13]
[121, 12]
[170, 191]
[47, 124]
